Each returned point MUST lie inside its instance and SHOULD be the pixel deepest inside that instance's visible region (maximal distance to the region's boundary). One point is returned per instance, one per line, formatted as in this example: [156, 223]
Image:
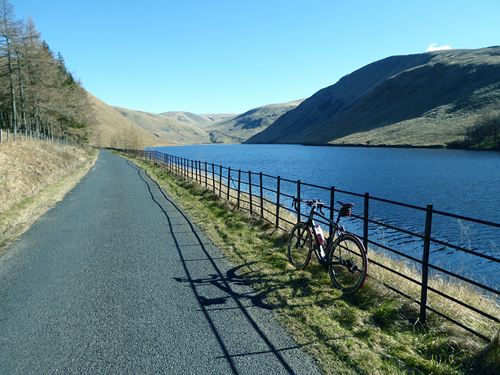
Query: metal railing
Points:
[264, 195]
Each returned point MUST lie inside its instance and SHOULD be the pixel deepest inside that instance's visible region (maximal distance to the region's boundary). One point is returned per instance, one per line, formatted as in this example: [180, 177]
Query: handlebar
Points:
[315, 203]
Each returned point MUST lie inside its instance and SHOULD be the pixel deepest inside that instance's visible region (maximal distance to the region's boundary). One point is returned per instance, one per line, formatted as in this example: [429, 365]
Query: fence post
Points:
[261, 196]
[199, 172]
[278, 188]
[213, 178]
[298, 202]
[425, 264]
[250, 191]
[332, 209]
[239, 188]
[206, 177]
[220, 181]
[228, 182]
[365, 221]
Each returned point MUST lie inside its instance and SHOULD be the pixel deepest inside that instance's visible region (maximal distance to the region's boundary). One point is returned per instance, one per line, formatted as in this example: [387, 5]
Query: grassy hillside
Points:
[428, 99]
[33, 176]
[246, 125]
[112, 129]
[177, 127]
[217, 117]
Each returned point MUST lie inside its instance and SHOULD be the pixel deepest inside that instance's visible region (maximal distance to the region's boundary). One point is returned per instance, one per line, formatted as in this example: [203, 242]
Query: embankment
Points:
[34, 175]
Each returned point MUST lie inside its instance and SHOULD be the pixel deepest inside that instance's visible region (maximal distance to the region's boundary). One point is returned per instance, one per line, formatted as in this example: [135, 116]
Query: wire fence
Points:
[7, 135]
[269, 196]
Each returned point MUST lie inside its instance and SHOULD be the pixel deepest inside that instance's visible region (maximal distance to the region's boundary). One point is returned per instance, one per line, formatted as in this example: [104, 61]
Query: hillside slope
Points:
[34, 175]
[427, 99]
[177, 127]
[112, 129]
[246, 125]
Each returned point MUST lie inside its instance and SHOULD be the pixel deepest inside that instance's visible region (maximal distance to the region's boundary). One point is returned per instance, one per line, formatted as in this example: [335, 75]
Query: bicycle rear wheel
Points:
[347, 263]
[300, 246]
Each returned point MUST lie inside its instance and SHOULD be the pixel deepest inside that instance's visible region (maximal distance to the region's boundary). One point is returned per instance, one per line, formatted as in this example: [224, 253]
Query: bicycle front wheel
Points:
[347, 263]
[300, 246]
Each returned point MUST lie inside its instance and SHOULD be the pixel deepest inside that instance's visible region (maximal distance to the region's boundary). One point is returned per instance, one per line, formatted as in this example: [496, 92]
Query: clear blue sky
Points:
[230, 56]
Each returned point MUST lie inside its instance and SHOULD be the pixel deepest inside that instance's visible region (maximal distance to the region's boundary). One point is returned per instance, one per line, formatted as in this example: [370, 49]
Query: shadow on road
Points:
[223, 281]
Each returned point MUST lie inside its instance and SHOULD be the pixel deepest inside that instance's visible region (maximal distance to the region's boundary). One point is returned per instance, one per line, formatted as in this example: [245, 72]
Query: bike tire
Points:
[300, 246]
[347, 263]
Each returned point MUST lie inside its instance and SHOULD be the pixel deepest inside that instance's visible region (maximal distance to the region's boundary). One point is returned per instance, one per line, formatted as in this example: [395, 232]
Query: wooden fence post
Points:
[425, 264]
[278, 188]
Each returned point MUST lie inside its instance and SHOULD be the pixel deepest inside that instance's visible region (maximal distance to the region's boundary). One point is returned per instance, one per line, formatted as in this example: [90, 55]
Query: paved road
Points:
[115, 279]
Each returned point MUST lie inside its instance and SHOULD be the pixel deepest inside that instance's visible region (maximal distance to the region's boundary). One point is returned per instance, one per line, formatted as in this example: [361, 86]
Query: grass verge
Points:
[34, 176]
[371, 332]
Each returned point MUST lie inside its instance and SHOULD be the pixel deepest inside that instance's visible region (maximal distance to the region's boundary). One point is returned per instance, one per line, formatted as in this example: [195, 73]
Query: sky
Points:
[223, 56]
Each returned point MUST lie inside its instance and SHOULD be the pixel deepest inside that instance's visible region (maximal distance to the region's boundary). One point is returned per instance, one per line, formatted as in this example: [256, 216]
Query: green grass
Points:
[371, 332]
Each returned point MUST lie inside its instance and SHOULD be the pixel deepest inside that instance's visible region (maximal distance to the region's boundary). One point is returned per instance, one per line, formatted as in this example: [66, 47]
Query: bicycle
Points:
[342, 253]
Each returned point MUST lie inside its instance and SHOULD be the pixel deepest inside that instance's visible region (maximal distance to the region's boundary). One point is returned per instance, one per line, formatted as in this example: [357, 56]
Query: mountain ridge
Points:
[428, 99]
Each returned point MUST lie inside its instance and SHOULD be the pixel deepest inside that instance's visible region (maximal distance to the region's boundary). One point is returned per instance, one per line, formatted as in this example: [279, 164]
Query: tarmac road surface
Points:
[115, 279]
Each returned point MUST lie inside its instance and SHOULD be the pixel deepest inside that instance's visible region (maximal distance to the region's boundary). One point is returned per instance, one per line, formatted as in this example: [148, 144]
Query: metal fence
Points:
[267, 196]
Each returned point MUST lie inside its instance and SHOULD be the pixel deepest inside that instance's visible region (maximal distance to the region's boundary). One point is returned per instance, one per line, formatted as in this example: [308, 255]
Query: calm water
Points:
[461, 182]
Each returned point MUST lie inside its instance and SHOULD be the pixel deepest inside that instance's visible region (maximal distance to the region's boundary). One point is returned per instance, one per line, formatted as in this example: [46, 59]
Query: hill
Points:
[112, 129]
[429, 99]
[246, 125]
[177, 127]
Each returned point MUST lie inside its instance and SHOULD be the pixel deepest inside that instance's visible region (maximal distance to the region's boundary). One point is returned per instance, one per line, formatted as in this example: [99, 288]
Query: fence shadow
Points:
[223, 281]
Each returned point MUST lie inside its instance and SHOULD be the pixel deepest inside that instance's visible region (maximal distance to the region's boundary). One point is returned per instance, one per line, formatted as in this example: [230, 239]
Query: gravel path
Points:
[115, 279]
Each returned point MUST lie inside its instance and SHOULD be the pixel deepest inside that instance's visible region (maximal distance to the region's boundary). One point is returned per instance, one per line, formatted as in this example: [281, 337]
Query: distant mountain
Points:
[112, 129]
[246, 125]
[428, 99]
[214, 118]
[176, 127]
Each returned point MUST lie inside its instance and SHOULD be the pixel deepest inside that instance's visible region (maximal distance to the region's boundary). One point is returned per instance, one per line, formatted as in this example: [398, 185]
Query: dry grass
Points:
[112, 129]
[33, 176]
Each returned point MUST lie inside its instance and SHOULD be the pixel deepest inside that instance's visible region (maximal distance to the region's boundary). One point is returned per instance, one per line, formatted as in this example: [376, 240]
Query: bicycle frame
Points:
[328, 246]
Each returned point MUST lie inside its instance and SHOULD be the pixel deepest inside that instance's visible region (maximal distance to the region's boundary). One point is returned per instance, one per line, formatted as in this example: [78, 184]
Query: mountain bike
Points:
[342, 253]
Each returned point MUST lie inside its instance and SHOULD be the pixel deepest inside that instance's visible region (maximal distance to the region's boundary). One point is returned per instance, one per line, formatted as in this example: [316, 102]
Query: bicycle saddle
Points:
[346, 205]
[346, 209]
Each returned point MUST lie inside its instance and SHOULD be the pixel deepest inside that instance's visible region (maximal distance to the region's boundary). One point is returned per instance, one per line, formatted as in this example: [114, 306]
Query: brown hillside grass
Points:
[33, 176]
[112, 129]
